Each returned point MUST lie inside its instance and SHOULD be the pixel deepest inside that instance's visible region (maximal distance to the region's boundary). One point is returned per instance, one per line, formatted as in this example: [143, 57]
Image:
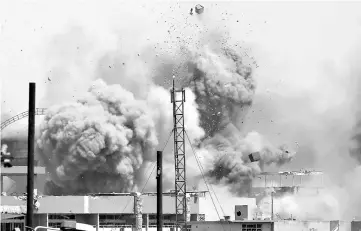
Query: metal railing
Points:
[38, 111]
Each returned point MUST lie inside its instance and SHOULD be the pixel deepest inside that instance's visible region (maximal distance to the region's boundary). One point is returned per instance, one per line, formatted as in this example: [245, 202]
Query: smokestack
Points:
[188, 201]
[159, 191]
[138, 211]
[31, 140]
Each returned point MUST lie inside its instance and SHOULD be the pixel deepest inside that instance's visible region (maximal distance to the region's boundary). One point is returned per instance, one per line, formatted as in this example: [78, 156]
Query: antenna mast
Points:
[178, 99]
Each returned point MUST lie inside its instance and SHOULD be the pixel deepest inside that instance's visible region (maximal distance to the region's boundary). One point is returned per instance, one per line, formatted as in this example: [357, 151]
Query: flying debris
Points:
[254, 156]
[199, 9]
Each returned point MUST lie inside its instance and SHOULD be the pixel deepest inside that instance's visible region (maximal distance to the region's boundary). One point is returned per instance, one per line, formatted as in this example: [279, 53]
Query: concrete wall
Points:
[343, 226]
[111, 204]
[150, 205]
[302, 226]
[53, 204]
[205, 206]
[340, 226]
[17, 184]
[100, 204]
[355, 225]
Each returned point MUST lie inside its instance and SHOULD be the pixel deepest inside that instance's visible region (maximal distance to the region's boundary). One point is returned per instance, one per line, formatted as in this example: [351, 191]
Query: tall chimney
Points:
[138, 210]
[31, 141]
[159, 191]
[188, 201]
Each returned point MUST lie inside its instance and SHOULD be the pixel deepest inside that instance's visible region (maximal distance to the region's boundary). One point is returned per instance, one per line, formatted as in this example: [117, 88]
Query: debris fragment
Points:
[199, 9]
[254, 156]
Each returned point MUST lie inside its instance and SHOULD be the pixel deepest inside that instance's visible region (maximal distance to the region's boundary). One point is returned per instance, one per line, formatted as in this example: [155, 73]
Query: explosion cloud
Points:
[307, 67]
[99, 143]
[232, 166]
[104, 141]
[224, 87]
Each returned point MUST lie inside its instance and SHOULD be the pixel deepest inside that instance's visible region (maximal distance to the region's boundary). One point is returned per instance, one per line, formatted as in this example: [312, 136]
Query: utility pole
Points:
[31, 141]
[159, 191]
[178, 99]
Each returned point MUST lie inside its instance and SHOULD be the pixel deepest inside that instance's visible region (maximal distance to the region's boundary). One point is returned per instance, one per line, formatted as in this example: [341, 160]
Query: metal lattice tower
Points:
[178, 99]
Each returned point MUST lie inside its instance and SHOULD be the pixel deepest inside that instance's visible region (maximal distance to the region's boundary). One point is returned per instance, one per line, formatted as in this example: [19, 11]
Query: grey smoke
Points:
[98, 143]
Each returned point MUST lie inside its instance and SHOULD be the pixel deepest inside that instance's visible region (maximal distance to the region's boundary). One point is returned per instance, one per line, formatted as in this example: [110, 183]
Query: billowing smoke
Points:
[356, 142]
[105, 140]
[99, 143]
[297, 206]
[225, 87]
[231, 165]
[304, 83]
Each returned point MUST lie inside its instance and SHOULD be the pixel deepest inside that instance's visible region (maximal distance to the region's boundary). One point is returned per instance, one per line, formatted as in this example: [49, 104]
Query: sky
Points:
[307, 60]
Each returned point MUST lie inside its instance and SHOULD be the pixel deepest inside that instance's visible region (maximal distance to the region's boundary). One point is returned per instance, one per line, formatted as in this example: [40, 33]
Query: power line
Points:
[205, 181]
[220, 205]
[202, 171]
[154, 165]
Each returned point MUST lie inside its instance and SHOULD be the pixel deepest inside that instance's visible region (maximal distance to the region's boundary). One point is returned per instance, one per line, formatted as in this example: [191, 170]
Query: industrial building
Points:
[105, 211]
[118, 211]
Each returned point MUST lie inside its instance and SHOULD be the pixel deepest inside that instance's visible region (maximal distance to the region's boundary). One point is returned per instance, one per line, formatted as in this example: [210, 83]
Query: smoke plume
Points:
[98, 143]
[102, 142]
[231, 165]
[305, 95]
[297, 206]
[225, 87]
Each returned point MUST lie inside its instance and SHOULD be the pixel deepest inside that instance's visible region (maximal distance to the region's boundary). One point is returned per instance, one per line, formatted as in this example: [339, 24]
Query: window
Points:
[55, 220]
[61, 217]
[54, 224]
[251, 227]
[13, 225]
[167, 217]
[113, 220]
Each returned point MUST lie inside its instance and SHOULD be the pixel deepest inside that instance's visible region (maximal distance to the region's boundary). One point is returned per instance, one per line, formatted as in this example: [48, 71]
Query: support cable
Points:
[154, 165]
[205, 181]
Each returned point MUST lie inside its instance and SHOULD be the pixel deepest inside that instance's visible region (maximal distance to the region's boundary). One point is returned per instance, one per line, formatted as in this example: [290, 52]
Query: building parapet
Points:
[98, 204]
